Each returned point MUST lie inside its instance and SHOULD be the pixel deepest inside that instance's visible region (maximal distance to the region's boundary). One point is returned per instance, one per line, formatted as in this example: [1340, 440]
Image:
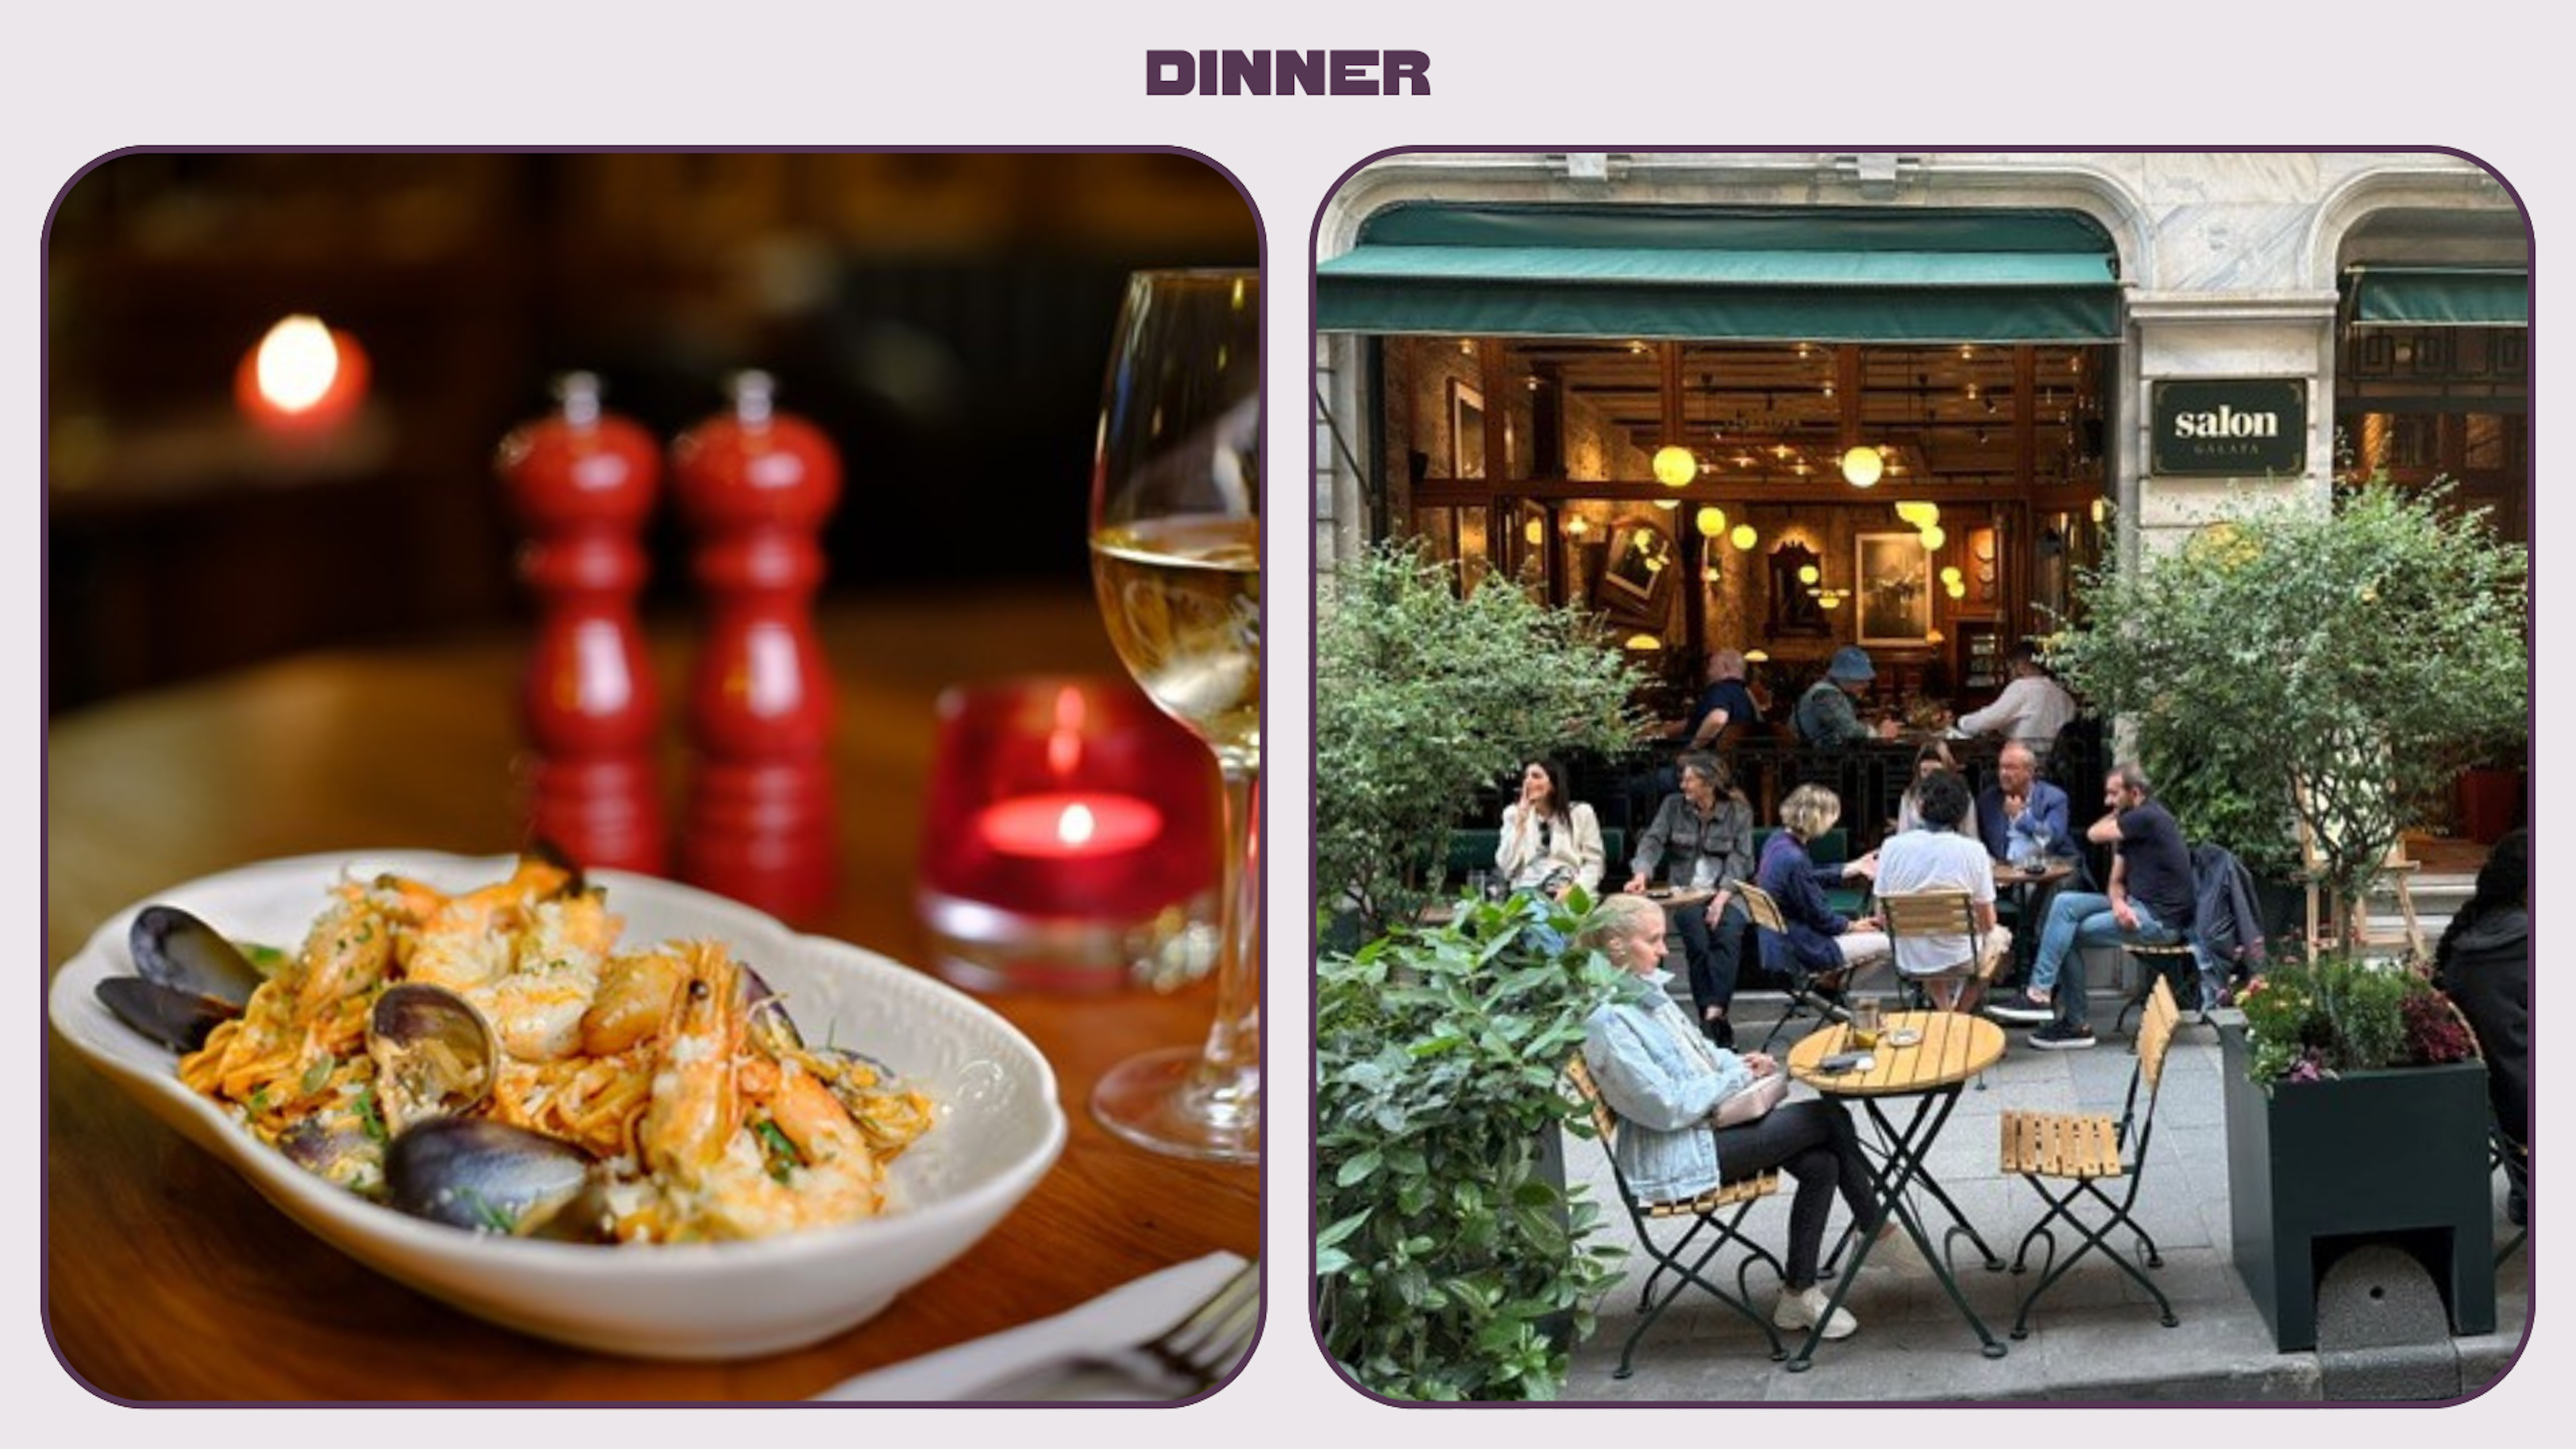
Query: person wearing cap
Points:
[1825, 714]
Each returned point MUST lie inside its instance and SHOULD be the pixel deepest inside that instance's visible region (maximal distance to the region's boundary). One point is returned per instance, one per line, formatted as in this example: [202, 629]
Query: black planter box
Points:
[2317, 1168]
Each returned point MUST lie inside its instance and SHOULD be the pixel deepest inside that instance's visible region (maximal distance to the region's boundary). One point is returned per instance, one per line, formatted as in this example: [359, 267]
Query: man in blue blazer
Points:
[2020, 814]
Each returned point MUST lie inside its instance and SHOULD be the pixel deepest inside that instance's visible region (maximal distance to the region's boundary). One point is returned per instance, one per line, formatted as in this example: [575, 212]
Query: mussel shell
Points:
[336, 1148]
[767, 1020]
[175, 949]
[434, 1052]
[484, 1176]
[176, 1018]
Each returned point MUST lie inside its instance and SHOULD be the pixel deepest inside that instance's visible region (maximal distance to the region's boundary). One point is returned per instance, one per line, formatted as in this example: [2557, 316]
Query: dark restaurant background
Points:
[943, 317]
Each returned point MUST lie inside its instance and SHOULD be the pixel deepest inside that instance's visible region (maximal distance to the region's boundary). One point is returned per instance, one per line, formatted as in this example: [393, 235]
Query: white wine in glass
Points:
[1176, 560]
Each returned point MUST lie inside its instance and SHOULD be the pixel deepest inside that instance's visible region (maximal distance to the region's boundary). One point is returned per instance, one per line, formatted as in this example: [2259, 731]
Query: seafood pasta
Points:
[494, 1059]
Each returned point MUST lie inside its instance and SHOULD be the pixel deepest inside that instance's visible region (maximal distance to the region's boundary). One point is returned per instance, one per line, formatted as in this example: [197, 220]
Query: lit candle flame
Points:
[1075, 826]
[297, 364]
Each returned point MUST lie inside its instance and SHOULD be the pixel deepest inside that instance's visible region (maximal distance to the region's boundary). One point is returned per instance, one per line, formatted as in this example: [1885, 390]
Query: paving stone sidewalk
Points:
[2094, 1338]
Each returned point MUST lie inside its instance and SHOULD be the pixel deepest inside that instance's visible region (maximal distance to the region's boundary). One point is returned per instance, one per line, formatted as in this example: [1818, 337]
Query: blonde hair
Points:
[1617, 915]
[1810, 811]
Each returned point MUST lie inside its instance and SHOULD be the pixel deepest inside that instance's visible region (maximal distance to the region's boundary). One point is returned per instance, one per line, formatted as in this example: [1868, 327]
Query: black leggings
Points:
[1812, 1141]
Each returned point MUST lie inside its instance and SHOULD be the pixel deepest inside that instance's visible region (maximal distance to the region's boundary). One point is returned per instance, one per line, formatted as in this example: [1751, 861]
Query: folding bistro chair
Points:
[1805, 997]
[2086, 1152]
[1941, 913]
[1916, 914]
[1718, 1213]
[2173, 965]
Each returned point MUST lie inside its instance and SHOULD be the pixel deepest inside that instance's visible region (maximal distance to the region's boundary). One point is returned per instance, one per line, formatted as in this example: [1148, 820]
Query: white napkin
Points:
[1126, 1314]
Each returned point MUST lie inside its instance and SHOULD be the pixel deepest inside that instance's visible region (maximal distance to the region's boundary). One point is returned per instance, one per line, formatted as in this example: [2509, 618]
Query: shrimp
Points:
[464, 941]
[742, 1143]
[633, 996]
[696, 1108]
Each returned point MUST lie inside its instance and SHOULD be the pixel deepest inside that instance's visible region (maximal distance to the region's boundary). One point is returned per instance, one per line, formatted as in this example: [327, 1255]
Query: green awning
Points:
[2440, 296]
[1701, 272]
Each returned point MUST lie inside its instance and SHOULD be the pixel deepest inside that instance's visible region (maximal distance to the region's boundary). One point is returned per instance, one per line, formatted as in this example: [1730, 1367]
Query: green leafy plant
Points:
[1422, 698]
[2303, 664]
[2305, 1021]
[1450, 1265]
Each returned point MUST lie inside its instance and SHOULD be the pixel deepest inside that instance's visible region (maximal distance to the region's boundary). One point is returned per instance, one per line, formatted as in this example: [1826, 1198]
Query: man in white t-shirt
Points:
[1934, 856]
[2032, 708]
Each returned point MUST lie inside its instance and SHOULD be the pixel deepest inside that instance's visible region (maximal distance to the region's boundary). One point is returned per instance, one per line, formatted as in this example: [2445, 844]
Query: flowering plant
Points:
[2305, 1021]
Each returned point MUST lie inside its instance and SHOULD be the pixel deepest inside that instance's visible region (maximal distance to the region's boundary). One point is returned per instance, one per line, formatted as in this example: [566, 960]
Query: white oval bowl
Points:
[999, 1129]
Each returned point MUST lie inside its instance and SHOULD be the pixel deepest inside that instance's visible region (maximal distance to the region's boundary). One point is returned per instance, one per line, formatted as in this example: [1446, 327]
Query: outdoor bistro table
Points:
[2026, 887]
[1954, 1047]
[168, 1278]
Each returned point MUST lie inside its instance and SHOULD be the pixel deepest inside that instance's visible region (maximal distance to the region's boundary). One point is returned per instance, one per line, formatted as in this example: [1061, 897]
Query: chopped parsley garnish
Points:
[776, 1152]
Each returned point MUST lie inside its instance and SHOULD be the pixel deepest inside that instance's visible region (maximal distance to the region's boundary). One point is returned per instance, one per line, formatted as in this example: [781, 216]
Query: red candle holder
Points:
[1070, 842]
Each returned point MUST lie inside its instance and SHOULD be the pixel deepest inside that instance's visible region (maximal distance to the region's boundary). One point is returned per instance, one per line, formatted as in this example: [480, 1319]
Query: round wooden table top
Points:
[1954, 1047]
[2057, 869]
[168, 1278]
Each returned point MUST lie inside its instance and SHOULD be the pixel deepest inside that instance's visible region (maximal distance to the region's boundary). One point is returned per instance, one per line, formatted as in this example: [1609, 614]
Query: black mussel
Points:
[434, 1053]
[175, 1018]
[488, 1177]
[175, 949]
[336, 1147]
[767, 1021]
[857, 1079]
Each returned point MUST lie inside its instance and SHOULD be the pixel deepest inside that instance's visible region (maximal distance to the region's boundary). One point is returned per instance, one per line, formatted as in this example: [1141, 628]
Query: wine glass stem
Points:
[1234, 1042]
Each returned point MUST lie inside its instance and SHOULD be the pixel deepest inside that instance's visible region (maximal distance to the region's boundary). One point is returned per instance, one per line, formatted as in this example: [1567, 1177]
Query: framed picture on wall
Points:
[1466, 431]
[1637, 571]
[1892, 573]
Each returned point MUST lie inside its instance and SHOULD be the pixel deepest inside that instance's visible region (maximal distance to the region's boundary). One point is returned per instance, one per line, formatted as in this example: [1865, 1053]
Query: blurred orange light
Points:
[303, 376]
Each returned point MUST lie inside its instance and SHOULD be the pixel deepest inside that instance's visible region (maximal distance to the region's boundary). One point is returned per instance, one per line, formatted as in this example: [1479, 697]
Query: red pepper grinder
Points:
[581, 483]
[755, 485]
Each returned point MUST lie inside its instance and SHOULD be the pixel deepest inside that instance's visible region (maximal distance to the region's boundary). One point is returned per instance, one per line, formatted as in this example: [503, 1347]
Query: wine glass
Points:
[1176, 559]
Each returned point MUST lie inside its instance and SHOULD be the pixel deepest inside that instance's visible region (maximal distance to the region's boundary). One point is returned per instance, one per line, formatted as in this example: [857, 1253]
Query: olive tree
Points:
[1423, 696]
[2295, 665]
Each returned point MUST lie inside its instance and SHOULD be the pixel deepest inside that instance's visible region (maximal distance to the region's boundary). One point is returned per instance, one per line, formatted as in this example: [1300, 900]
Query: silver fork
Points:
[1184, 1359]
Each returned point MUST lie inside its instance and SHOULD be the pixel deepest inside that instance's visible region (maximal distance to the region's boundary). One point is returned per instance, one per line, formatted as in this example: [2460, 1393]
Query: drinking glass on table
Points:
[1176, 560]
[1868, 1017]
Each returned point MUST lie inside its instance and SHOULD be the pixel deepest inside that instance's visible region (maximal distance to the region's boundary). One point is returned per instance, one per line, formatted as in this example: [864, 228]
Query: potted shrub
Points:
[2356, 1107]
[1452, 1263]
[1423, 697]
[2303, 665]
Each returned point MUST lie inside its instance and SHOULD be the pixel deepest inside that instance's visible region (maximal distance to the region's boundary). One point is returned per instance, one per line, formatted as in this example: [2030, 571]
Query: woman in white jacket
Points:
[1550, 841]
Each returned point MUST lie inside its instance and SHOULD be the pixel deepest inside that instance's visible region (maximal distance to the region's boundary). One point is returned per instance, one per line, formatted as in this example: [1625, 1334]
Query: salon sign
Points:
[2235, 427]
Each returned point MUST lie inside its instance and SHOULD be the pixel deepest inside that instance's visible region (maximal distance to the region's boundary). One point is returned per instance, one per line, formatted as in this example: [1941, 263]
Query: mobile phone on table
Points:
[1841, 1062]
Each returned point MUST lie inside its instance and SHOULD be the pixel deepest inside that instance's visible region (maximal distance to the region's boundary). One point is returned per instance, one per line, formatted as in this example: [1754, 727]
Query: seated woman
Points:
[1934, 758]
[1550, 842]
[2484, 962]
[1819, 941]
[1665, 1081]
[1704, 837]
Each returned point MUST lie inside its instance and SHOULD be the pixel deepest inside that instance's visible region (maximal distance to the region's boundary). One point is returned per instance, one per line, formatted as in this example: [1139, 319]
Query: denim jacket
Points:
[1663, 1079]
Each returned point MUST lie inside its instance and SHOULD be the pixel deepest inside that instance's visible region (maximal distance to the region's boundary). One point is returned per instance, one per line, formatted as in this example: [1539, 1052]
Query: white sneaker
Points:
[1801, 1310]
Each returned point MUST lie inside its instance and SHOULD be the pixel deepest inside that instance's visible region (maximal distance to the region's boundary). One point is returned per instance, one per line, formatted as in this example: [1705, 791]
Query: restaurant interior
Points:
[1935, 503]
[940, 315]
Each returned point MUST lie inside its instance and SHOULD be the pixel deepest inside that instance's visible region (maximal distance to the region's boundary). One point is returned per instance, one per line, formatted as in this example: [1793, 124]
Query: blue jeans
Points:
[2081, 918]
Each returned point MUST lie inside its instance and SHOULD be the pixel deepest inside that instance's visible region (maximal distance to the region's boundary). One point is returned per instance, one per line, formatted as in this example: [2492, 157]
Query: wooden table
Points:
[1955, 1046]
[166, 1278]
[2029, 890]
